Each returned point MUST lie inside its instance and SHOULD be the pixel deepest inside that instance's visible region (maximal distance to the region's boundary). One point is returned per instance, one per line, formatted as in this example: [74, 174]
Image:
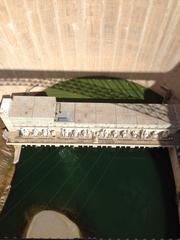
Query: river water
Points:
[107, 192]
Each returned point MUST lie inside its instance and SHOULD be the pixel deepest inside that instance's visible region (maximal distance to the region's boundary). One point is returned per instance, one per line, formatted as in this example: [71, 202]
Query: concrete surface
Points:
[131, 38]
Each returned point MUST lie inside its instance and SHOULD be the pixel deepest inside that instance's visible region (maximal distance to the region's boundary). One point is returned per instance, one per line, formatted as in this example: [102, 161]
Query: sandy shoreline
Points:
[51, 224]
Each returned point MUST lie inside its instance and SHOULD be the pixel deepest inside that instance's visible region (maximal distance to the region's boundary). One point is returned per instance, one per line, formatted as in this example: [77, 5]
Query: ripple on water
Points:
[108, 192]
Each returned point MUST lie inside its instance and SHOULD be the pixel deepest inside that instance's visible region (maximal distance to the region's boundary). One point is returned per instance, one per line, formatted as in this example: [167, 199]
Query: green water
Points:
[103, 89]
[107, 192]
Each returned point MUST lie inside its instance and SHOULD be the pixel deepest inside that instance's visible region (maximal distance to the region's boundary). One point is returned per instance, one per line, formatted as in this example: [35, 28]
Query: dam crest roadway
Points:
[37, 120]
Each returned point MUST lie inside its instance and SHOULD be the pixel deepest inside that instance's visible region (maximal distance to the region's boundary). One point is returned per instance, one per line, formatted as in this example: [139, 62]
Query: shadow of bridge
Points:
[48, 78]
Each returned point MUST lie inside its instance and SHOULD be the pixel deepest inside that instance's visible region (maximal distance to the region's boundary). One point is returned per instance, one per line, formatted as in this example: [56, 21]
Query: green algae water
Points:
[107, 192]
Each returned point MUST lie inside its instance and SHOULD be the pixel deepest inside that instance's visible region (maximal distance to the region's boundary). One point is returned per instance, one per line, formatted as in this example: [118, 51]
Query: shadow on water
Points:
[164, 170]
[40, 77]
[102, 89]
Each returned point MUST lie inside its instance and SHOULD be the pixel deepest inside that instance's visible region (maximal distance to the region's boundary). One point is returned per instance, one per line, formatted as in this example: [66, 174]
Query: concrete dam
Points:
[44, 42]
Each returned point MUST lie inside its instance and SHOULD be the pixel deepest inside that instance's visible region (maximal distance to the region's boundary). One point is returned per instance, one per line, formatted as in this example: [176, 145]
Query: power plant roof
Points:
[33, 107]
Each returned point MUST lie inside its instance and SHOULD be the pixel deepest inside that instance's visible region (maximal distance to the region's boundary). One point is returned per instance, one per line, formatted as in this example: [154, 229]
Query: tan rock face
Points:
[127, 37]
[51, 224]
[7, 168]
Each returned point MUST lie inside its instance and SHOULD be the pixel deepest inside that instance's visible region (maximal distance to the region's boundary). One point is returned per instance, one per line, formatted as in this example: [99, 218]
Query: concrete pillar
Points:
[4, 110]
[6, 121]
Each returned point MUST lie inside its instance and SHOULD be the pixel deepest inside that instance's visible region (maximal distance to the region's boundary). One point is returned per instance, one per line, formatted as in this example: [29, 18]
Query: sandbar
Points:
[51, 224]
